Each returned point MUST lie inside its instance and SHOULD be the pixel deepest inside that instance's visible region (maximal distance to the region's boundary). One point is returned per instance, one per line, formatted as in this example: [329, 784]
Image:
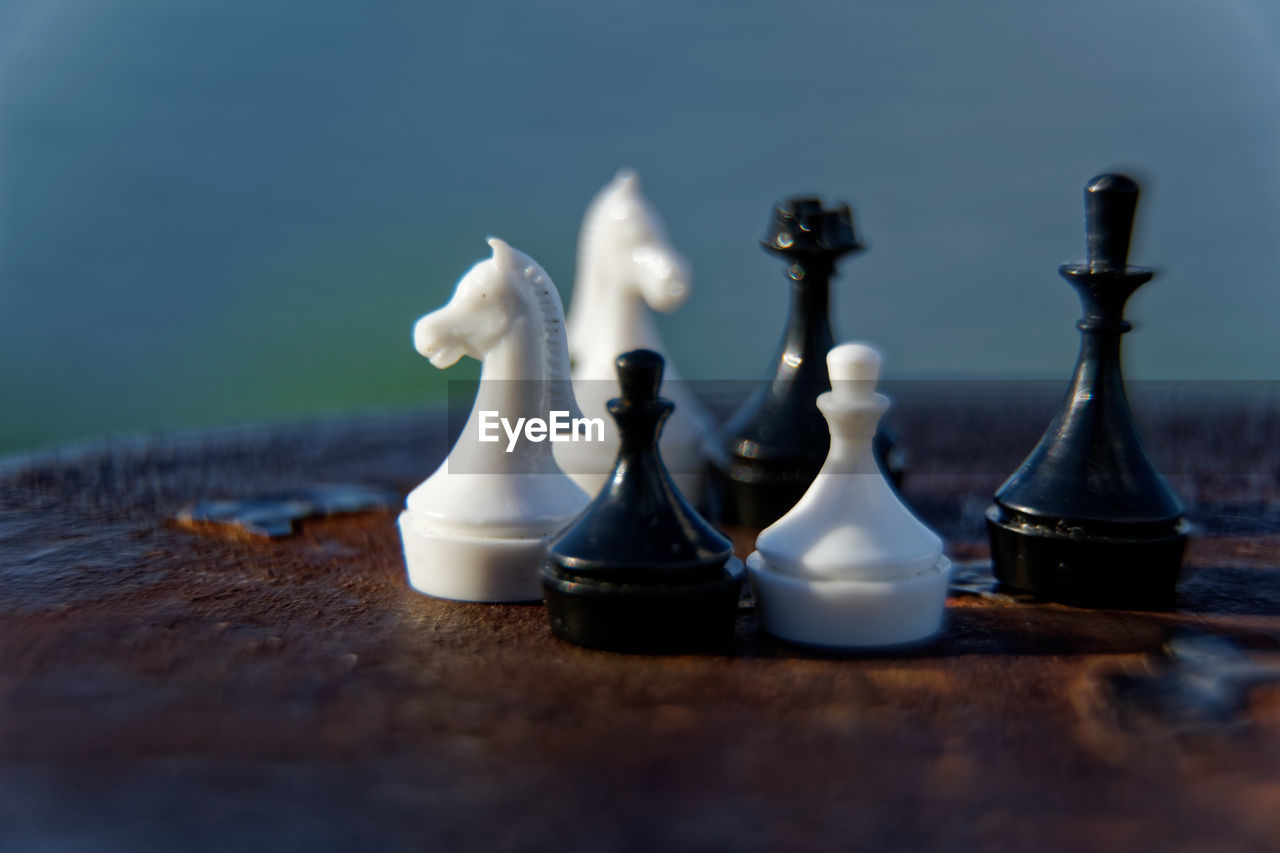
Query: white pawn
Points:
[627, 269]
[850, 566]
[477, 529]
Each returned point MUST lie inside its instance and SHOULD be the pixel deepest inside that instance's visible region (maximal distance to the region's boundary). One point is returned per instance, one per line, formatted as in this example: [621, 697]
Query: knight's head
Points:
[659, 272]
[478, 316]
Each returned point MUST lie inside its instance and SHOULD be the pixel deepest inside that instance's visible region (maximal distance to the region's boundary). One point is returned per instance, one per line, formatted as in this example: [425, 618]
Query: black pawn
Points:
[1087, 519]
[640, 570]
[765, 456]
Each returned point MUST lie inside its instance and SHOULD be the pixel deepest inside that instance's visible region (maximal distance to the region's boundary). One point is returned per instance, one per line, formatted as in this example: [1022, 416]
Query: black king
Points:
[1087, 519]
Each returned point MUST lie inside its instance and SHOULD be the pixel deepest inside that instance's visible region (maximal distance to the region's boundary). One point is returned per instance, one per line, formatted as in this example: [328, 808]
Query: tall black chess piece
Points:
[640, 570]
[1087, 519]
[765, 456]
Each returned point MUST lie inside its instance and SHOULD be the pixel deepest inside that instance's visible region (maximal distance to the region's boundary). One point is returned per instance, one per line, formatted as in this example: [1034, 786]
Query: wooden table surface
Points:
[164, 688]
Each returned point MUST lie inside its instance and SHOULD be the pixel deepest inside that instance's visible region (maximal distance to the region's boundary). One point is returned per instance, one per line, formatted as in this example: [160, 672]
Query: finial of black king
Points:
[640, 570]
[766, 455]
[1087, 519]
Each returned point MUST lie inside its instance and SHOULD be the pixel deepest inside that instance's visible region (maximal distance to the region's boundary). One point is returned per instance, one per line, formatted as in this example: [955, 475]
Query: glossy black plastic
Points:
[1088, 519]
[640, 569]
[765, 456]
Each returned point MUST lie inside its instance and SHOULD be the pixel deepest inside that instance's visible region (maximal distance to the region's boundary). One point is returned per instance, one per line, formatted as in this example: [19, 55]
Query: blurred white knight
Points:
[625, 267]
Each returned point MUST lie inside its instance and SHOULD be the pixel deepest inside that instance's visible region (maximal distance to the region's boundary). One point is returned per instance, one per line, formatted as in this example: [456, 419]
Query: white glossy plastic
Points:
[850, 566]
[477, 529]
[626, 266]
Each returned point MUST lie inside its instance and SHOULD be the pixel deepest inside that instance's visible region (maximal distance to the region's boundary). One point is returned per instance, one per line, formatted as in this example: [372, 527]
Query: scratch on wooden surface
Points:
[275, 516]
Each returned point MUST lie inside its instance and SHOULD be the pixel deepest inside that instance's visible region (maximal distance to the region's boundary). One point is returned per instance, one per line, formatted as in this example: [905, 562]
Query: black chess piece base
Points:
[755, 492]
[754, 495]
[643, 617]
[1083, 566]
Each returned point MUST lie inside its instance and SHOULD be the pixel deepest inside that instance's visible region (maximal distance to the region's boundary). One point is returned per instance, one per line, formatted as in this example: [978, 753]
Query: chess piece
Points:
[768, 452]
[1087, 519]
[477, 529]
[627, 269]
[849, 566]
[640, 570]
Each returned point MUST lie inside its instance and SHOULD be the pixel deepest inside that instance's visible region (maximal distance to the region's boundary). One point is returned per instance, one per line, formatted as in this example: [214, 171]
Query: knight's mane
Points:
[545, 300]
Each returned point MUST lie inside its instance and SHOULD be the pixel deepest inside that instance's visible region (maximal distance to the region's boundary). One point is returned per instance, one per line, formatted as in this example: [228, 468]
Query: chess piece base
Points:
[742, 494]
[849, 614]
[471, 568]
[643, 617]
[1084, 568]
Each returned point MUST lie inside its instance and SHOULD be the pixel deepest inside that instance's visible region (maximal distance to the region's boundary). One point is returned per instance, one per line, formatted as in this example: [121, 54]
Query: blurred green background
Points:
[217, 211]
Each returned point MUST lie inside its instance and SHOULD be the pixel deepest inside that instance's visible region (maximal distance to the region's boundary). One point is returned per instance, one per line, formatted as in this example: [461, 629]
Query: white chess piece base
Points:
[471, 568]
[849, 614]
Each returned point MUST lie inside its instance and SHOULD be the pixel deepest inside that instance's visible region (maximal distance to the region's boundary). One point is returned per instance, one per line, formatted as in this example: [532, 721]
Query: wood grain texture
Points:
[163, 689]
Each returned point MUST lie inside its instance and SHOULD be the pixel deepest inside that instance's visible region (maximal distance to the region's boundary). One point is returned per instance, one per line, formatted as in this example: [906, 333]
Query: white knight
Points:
[477, 529]
[626, 267]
